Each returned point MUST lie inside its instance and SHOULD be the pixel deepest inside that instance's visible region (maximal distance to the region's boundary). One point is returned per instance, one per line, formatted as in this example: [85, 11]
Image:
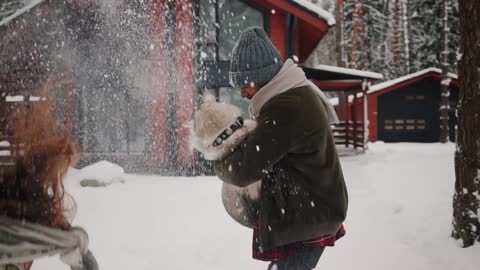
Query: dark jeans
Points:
[306, 258]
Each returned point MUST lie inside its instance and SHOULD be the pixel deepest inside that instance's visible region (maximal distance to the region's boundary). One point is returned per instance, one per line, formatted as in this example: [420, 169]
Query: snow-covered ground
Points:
[399, 218]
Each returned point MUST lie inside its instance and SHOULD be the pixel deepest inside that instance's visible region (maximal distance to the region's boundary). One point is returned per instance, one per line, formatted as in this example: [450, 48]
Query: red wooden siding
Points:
[308, 38]
[372, 117]
[310, 29]
[277, 31]
[185, 82]
[185, 88]
[157, 85]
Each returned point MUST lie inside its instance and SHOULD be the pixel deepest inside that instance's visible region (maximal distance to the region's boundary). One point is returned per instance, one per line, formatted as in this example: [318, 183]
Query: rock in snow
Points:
[99, 174]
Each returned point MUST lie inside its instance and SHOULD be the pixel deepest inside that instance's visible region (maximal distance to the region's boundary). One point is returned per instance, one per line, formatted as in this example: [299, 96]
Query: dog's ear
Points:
[209, 98]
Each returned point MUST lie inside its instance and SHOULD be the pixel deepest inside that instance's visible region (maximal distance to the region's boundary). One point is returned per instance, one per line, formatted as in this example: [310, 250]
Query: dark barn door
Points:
[410, 114]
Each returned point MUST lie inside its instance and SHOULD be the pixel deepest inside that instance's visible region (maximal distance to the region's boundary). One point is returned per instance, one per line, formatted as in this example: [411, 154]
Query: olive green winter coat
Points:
[303, 193]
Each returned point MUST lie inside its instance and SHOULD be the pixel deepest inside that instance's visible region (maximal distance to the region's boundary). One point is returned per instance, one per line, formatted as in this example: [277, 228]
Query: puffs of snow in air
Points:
[4, 143]
[14, 98]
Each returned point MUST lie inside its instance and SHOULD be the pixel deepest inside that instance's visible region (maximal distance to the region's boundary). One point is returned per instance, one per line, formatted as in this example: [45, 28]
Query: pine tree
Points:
[444, 102]
[466, 201]
[340, 34]
[405, 36]
[400, 36]
[396, 34]
[426, 20]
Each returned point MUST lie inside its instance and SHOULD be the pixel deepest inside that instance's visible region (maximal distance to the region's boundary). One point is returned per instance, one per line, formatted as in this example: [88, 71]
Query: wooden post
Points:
[365, 88]
[354, 122]
[346, 130]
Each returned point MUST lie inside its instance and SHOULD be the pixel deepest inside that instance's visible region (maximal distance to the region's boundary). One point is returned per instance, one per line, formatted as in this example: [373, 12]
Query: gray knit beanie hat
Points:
[254, 59]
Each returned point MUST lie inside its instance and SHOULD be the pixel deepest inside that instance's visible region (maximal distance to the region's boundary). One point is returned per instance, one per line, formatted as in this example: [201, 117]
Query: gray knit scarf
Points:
[22, 241]
[289, 77]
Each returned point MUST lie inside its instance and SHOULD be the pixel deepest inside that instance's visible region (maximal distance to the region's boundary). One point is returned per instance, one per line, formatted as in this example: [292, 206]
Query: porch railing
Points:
[349, 133]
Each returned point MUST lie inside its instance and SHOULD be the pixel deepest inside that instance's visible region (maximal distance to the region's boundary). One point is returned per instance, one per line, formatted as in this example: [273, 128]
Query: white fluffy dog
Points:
[216, 131]
[210, 121]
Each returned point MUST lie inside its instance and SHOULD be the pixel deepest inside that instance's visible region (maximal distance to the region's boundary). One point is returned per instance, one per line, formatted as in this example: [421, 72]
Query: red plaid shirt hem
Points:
[282, 252]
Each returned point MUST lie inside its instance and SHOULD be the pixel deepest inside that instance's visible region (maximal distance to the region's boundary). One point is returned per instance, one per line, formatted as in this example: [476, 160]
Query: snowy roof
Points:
[353, 72]
[334, 101]
[320, 12]
[8, 7]
[381, 86]
[11, 9]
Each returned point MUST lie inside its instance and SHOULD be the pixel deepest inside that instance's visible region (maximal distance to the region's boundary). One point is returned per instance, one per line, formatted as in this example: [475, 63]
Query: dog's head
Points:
[209, 121]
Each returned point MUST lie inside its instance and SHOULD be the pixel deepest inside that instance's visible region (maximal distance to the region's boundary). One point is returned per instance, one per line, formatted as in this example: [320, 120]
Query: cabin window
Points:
[235, 16]
[421, 124]
[404, 124]
[417, 97]
[219, 26]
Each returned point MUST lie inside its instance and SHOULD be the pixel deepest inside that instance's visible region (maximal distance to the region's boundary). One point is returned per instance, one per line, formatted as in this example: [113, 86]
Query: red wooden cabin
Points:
[208, 30]
[137, 69]
[353, 127]
[406, 109]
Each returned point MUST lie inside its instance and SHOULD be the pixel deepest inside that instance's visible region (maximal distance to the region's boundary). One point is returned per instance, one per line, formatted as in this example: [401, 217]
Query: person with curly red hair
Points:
[33, 218]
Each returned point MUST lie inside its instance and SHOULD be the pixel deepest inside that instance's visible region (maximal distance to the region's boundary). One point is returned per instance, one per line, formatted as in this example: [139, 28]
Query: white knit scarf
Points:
[289, 77]
[22, 241]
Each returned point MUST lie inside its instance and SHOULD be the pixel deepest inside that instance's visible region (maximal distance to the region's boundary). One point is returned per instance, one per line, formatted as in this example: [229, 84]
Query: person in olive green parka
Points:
[303, 197]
